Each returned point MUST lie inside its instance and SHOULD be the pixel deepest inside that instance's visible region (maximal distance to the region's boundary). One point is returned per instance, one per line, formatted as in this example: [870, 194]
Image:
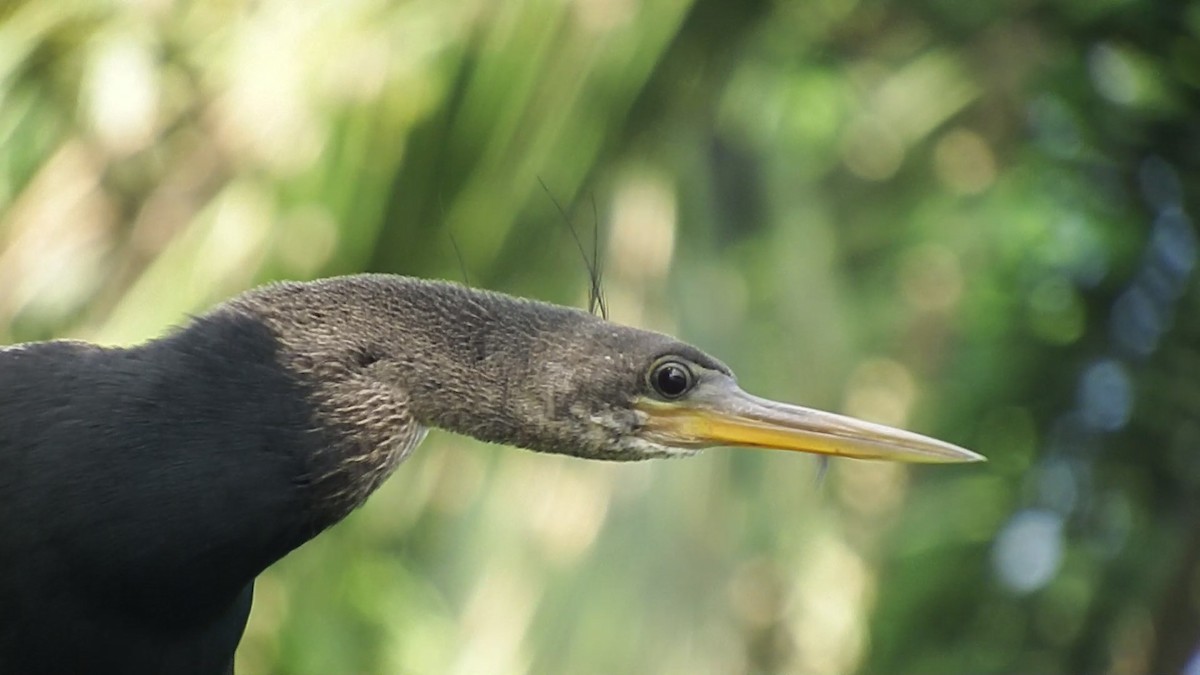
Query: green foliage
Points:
[968, 218]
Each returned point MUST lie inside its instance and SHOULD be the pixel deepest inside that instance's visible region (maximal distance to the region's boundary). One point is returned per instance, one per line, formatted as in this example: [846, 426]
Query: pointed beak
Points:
[718, 412]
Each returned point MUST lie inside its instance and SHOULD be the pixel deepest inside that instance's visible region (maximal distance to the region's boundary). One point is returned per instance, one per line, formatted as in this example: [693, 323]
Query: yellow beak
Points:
[720, 413]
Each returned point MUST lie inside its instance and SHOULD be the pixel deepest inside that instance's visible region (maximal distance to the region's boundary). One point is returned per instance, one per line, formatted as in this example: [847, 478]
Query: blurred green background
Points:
[973, 219]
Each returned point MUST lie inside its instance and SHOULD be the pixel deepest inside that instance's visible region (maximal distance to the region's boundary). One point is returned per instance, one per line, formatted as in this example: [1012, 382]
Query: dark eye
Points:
[671, 379]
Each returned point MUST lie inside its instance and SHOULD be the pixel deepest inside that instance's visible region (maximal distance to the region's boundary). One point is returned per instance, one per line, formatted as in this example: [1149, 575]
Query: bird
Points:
[142, 489]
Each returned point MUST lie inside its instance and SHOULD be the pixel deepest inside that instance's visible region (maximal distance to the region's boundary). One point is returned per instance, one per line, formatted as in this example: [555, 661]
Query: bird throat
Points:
[368, 431]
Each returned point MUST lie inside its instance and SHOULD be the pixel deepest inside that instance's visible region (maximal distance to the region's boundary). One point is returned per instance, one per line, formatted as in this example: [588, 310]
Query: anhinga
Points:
[143, 489]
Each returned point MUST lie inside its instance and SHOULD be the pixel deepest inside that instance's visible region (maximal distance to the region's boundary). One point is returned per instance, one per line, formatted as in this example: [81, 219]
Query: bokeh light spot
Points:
[1174, 242]
[757, 592]
[931, 278]
[1028, 551]
[873, 490]
[1058, 484]
[122, 89]
[1113, 74]
[1192, 667]
[964, 163]
[1136, 323]
[643, 227]
[881, 390]
[829, 594]
[1106, 396]
[870, 150]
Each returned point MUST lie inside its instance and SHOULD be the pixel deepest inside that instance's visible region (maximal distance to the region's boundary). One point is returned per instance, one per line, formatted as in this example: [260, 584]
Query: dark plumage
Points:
[143, 489]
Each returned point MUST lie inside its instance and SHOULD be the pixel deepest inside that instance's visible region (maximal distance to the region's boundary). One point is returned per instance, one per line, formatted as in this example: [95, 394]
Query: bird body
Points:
[143, 489]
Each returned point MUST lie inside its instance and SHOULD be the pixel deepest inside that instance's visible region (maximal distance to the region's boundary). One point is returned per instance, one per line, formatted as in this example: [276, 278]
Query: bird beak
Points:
[720, 413]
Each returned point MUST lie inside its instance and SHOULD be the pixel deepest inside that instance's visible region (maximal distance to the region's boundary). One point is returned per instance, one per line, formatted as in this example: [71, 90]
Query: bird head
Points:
[628, 393]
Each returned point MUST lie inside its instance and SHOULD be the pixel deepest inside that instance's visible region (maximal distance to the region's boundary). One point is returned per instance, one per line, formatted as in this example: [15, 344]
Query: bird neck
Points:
[385, 355]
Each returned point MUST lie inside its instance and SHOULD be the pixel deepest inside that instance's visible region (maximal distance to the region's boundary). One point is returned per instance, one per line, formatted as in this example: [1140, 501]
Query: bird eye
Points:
[671, 379]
